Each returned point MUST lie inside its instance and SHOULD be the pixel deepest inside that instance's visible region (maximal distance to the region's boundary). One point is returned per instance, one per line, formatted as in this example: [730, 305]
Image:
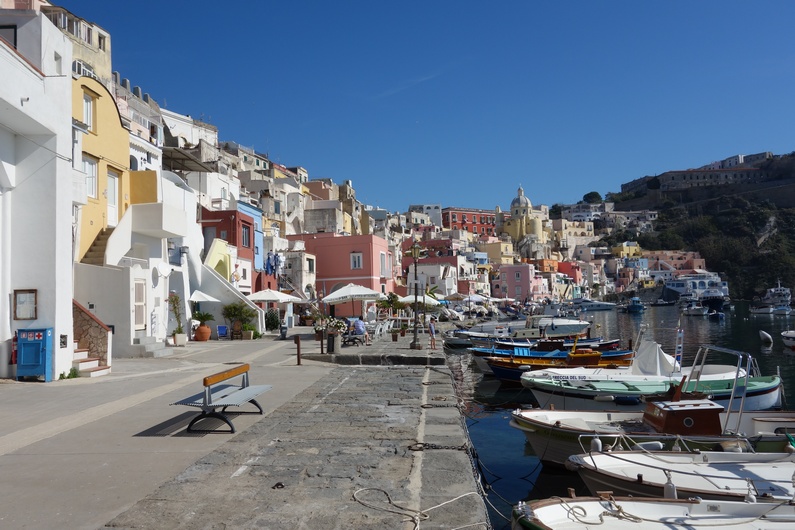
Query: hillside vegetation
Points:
[747, 233]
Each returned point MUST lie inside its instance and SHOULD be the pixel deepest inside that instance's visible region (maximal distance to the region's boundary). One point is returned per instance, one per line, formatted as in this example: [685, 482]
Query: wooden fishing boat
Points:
[555, 435]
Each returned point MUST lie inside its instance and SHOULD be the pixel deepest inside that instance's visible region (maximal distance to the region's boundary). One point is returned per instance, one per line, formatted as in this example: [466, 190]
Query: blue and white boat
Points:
[635, 305]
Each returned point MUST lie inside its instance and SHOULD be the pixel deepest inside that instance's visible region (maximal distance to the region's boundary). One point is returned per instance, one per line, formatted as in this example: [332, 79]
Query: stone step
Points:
[80, 354]
[88, 363]
[95, 372]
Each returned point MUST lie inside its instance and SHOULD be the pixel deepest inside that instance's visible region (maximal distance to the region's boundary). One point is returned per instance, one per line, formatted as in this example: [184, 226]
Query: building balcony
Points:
[158, 220]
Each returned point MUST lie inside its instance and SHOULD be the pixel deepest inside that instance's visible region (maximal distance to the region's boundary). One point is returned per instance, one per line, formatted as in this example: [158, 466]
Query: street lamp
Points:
[415, 253]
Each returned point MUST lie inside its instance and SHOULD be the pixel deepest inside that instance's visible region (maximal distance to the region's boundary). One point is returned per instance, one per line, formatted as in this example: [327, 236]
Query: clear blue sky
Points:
[459, 102]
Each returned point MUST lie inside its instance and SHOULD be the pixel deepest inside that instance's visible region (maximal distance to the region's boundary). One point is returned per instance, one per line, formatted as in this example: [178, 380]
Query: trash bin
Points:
[330, 343]
[283, 331]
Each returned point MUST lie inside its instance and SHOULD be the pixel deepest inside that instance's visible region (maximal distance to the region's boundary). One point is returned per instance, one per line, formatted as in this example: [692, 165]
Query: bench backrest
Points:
[242, 369]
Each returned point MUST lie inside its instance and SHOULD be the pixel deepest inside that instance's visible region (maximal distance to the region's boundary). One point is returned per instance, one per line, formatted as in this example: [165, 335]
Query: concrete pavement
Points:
[342, 445]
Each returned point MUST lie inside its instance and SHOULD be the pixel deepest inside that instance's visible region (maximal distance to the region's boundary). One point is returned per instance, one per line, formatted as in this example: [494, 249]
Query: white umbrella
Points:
[455, 297]
[421, 299]
[474, 298]
[269, 295]
[198, 296]
[351, 293]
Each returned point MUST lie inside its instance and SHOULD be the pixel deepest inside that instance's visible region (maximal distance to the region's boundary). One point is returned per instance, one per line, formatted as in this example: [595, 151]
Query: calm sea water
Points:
[508, 465]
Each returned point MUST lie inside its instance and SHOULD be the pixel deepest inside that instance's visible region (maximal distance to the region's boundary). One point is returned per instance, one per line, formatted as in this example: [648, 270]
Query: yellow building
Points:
[105, 160]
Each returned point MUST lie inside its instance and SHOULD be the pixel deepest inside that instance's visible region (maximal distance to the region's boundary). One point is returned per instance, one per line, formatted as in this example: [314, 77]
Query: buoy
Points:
[765, 336]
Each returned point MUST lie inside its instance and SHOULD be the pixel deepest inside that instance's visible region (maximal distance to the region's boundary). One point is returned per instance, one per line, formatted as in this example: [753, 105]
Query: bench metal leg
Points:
[254, 401]
[212, 414]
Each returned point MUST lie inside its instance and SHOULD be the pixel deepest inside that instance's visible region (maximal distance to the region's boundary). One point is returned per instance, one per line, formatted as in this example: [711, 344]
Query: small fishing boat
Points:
[635, 305]
[620, 513]
[710, 475]
[510, 369]
[695, 309]
[601, 389]
[548, 358]
[689, 424]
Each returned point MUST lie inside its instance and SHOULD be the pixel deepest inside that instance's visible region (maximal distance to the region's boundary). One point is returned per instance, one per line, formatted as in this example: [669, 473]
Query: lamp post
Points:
[415, 253]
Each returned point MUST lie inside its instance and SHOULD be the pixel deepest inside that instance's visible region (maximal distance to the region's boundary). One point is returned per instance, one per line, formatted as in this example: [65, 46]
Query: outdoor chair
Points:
[222, 332]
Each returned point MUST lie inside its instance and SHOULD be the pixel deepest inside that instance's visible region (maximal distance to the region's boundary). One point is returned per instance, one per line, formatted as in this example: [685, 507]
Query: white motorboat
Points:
[782, 310]
[620, 513]
[712, 475]
[777, 296]
[789, 338]
[761, 310]
[555, 435]
[695, 309]
[586, 304]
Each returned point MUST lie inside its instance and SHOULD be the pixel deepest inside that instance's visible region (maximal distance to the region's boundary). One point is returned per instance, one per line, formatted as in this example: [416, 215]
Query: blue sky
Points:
[460, 102]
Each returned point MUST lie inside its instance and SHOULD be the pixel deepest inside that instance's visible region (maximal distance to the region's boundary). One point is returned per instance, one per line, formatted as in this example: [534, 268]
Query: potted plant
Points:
[239, 315]
[403, 329]
[319, 329]
[395, 333]
[175, 306]
[202, 332]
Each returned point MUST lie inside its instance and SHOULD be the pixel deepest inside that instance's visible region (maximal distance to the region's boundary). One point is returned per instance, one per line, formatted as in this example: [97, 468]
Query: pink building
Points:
[520, 282]
[363, 260]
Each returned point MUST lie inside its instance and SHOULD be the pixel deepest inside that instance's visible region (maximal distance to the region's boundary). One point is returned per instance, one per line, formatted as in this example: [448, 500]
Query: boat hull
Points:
[709, 475]
[762, 393]
[619, 513]
[554, 436]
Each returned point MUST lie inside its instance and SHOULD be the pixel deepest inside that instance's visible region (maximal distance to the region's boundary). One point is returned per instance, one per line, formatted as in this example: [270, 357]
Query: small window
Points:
[90, 169]
[223, 235]
[310, 265]
[88, 111]
[102, 44]
[518, 275]
[246, 236]
[356, 260]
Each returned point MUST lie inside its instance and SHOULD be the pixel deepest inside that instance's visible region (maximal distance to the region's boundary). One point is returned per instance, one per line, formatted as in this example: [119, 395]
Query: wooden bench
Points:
[221, 396]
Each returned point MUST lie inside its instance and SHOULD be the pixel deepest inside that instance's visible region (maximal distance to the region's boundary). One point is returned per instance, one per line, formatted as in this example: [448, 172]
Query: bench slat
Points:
[225, 396]
[210, 380]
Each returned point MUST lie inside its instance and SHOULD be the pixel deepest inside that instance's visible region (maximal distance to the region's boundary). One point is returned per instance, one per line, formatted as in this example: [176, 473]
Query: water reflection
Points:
[509, 467]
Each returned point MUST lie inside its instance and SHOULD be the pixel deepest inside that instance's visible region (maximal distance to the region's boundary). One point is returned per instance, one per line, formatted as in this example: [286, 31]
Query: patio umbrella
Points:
[198, 296]
[269, 295]
[455, 297]
[421, 299]
[351, 293]
[474, 298]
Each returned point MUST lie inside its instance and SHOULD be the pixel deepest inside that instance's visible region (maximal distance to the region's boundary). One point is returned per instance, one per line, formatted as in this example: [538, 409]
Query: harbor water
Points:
[510, 469]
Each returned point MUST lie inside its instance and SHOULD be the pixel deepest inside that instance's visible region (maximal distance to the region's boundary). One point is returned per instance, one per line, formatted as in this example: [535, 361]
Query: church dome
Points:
[521, 202]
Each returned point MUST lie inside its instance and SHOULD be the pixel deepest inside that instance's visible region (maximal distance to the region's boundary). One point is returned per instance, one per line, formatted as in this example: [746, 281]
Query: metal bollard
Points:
[297, 341]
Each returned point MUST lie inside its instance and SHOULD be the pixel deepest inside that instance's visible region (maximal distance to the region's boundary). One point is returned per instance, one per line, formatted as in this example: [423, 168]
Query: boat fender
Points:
[627, 400]
[655, 445]
[596, 445]
[604, 398]
[765, 336]
[669, 490]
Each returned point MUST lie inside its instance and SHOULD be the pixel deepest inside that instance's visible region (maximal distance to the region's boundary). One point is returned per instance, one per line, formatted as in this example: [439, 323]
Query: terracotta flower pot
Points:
[202, 333]
[394, 337]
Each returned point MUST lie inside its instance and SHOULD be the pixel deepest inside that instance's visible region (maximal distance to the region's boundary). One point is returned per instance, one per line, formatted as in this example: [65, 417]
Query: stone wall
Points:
[90, 333]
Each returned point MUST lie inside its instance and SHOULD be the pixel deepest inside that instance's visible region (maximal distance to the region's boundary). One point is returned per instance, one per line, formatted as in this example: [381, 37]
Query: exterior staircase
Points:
[150, 347]
[87, 366]
[96, 252]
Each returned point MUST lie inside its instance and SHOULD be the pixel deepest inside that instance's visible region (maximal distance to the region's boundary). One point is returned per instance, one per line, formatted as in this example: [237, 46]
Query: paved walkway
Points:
[341, 445]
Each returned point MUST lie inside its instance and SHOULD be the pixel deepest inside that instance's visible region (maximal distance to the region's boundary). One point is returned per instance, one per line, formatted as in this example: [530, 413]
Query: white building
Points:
[37, 191]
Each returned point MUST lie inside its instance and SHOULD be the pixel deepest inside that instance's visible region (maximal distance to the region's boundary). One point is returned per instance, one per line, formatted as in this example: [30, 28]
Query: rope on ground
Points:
[413, 515]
